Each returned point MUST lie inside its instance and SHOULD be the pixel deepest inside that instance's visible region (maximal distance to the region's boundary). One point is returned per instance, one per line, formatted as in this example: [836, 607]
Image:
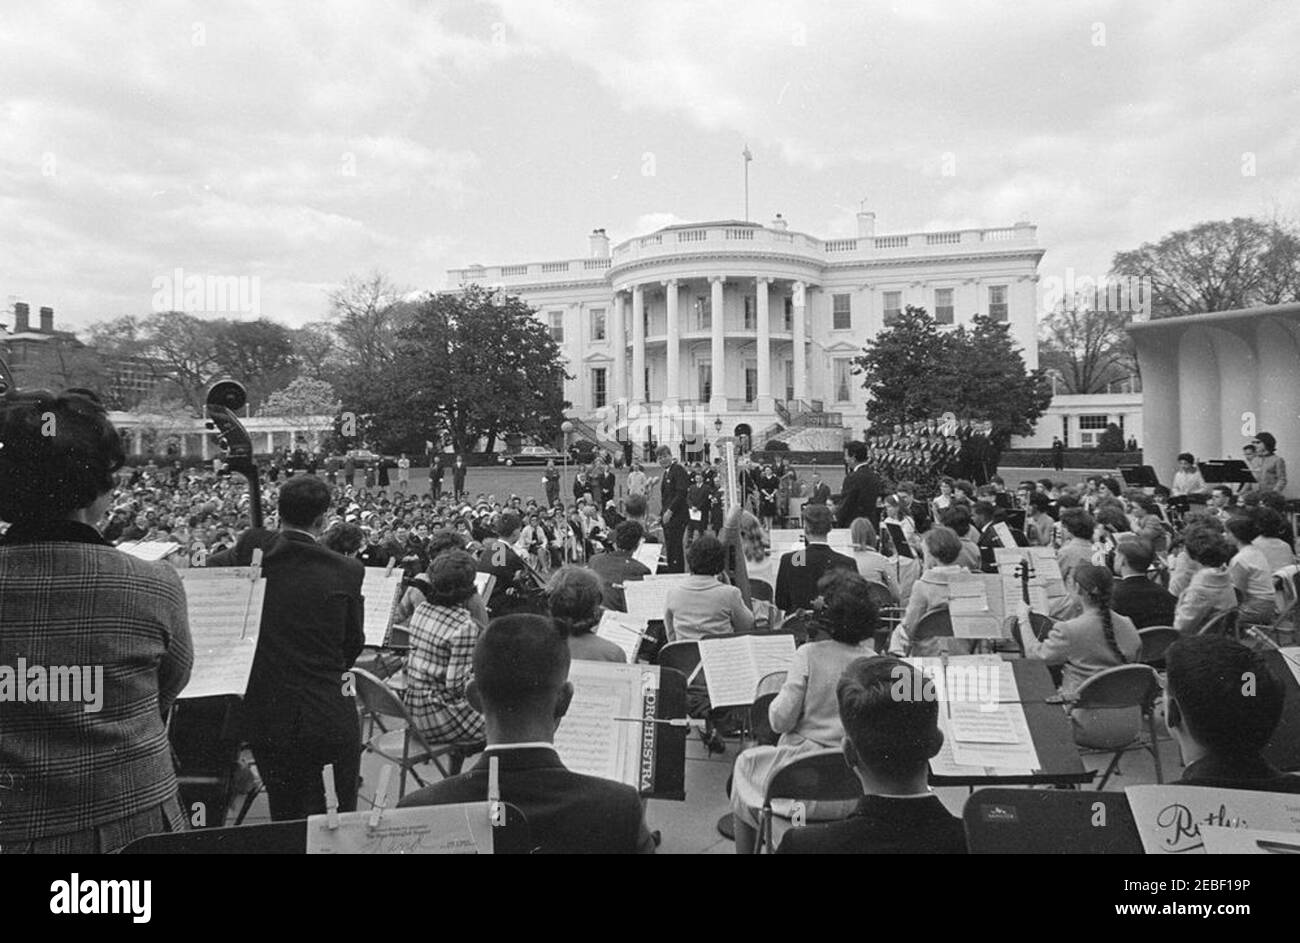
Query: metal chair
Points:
[1110, 711]
[377, 702]
[1221, 623]
[822, 777]
[1156, 640]
[887, 609]
[760, 727]
[761, 589]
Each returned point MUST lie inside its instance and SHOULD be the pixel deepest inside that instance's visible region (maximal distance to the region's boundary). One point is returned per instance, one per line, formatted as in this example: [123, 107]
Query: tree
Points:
[1088, 347]
[313, 346]
[259, 354]
[915, 372]
[302, 398]
[1217, 266]
[471, 365]
[1111, 439]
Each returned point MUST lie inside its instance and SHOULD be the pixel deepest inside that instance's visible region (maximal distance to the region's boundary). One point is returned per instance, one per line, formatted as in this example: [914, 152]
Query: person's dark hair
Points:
[627, 535]
[58, 454]
[856, 451]
[303, 499]
[635, 505]
[956, 518]
[1078, 522]
[1267, 440]
[706, 556]
[1272, 524]
[1272, 499]
[892, 735]
[817, 520]
[965, 487]
[1206, 546]
[983, 512]
[847, 611]
[451, 578]
[343, 538]
[520, 662]
[663, 452]
[1242, 526]
[507, 523]
[442, 540]
[1113, 518]
[1039, 503]
[1146, 503]
[943, 544]
[1111, 485]
[1137, 553]
[1095, 585]
[1225, 491]
[573, 594]
[1223, 694]
[1187, 457]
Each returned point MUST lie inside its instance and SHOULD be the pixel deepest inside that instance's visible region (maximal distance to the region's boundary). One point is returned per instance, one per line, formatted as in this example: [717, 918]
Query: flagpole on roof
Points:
[748, 157]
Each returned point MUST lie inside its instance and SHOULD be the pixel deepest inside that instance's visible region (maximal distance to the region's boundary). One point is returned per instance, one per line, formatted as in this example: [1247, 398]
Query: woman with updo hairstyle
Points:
[1209, 591]
[574, 595]
[441, 659]
[89, 770]
[1093, 641]
[806, 713]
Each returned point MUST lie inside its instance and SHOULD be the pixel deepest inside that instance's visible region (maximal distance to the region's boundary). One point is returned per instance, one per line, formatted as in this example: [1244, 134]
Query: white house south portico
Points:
[707, 328]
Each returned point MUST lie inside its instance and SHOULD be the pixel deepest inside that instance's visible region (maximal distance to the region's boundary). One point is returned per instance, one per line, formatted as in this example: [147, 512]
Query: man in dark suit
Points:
[616, 567]
[300, 712]
[888, 743]
[520, 684]
[819, 492]
[799, 570]
[435, 478]
[458, 478]
[1144, 602]
[1223, 704]
[673, 492]
[861, 491]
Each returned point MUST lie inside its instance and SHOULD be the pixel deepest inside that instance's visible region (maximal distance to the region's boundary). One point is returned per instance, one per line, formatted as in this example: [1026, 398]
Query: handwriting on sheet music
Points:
[423, 830]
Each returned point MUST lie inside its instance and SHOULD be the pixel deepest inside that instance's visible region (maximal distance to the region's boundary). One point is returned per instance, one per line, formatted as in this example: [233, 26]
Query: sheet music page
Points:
[1012, 596]
[590, 740]
[648, 555]
[460, 829]
[969, 609]
[647, 598]
[483, 583]
[973, 684]
[730, 670]
[784, 541]
[1291, 658]
[972, 723]
[1013, 758]
[1045, 566]
[771, 653]
[621, 629]
[1007, 538]
[225, 611]
[1169, 818]
[1222, 840]
[381, 593]
[152, 550]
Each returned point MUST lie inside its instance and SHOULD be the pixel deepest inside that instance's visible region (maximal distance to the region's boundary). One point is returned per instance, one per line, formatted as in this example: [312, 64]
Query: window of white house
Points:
[705, 382]
[893, 306]
[843, 374]
[751, 313]
[789, 315]
[1091, 428]
[998, 302]
[557, 326]
[841, 312]
[943, 313]
[703, 313]
[597, 324]
[598, 391]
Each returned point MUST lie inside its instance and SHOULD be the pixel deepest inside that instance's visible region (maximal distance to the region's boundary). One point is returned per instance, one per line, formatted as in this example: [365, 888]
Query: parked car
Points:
[530, 455]
[361, 456]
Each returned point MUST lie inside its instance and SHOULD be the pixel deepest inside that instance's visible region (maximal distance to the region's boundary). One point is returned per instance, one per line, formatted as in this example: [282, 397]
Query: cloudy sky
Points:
[304, 142]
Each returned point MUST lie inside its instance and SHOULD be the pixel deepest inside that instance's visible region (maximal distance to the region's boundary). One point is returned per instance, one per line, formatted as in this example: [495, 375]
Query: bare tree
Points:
[1087, 346]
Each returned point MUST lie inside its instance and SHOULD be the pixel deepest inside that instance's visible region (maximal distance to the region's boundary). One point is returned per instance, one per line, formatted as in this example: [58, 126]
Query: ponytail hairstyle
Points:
[1095, 583]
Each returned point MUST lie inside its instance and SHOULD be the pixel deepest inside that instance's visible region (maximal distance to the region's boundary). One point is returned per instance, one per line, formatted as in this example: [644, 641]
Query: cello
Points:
[223, 401]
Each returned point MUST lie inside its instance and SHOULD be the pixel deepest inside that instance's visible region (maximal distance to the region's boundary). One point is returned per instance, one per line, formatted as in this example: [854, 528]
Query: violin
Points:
[223, 401]
[1038, 622]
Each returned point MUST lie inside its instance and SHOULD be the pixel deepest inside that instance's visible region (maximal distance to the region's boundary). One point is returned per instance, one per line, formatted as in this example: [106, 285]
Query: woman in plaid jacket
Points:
[85, 767]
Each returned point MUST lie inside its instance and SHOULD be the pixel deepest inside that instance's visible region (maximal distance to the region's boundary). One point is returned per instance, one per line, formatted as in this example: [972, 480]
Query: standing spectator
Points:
[1058, 453]
[404, 474]
[551, 481]
[382, 473]
[435, 478]
[349, 471]
[820, 492]
[458, 478]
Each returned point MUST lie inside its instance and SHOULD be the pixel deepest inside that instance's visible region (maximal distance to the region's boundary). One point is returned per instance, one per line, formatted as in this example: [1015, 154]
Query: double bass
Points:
[223, 401]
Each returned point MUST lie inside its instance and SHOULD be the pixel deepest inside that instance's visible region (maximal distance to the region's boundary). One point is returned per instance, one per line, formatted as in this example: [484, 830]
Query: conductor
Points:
[862, 489]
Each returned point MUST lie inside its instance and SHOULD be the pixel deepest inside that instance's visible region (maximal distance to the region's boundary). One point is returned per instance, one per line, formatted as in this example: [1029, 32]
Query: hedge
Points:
[1073, 458]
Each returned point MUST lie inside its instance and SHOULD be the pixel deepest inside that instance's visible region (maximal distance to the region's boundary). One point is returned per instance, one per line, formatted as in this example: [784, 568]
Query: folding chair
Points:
[1048, 822]
[801, 624]
[377, 702]
[1221, 623]
[1156, 640]
[822, 777]
[888, 610]
[760, 727]
[933, 634]
[761, 589]
[1110, 711]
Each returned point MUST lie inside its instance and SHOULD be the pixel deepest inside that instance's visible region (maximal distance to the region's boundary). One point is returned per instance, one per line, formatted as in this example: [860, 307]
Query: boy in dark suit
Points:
[1135, 596]
[888, 742]
[799, 570]
[521, 670]
[297, 715]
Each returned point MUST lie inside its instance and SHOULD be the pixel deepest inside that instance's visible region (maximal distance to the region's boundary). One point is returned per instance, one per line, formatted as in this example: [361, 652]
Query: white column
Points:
[620, 348]
[799, 353]
[270, 441]
[204, 446]
[674, 345]
[765, 402]
[638, 345]
[718, 402]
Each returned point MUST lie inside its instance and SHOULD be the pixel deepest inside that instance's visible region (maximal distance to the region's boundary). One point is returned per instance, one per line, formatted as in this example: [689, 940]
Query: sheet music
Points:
[1013, 597]
[734, 666]
[225, 611]
[381, 594]
[984, 734]
[969, 609]
[152, 550]
[461, 829]
[784, 540]
[1004, 534]
[483, 582]
[590, 739]
[621, 629]
[971, 723]
[1222, 840]
[648, 598]
[648, 555]
[1169, 818]
[1291, 658]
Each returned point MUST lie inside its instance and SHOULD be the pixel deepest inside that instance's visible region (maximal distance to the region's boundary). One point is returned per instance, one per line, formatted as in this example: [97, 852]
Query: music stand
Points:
[1226, 471]
[1139, 476]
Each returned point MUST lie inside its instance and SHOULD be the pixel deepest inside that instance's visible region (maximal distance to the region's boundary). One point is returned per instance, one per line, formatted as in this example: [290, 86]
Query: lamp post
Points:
[567, 428]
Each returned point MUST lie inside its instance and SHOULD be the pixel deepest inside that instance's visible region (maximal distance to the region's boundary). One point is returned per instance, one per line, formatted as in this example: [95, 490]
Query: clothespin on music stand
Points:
[255, 567]
[943, 667]
[392, 562]
[331, 797]
[496, 808]
[381, 795]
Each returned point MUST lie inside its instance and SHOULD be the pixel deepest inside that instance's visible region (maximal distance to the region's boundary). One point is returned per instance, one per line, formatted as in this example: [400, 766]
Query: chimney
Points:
[780, 223]
[599, 244]
[22, 317]
[866, 224]
[47, 320]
